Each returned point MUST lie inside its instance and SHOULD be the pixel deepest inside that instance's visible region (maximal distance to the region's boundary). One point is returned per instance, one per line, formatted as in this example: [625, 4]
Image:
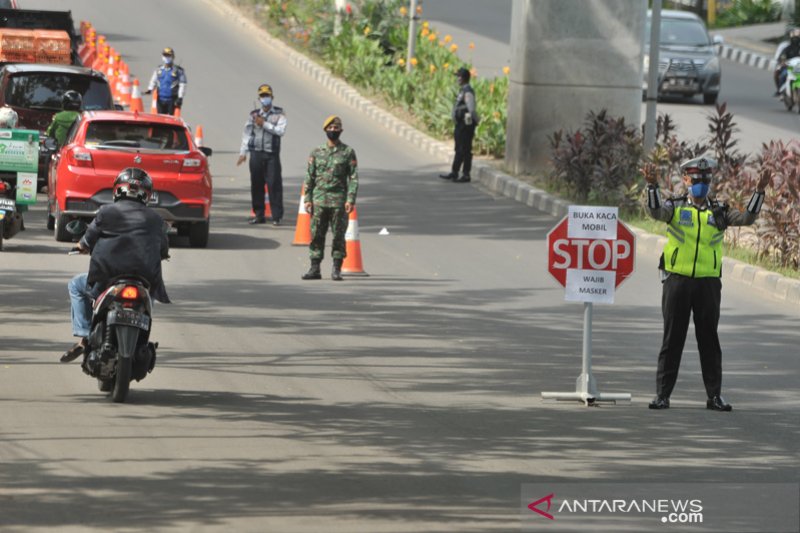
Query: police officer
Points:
[691, 266]
[170, 79]
[331, 187]
[63, 120]
[465, 118]
[262, 138]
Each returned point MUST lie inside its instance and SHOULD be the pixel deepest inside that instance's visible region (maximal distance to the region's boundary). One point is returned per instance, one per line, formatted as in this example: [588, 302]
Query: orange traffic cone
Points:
[352, 265]
[302, 230]
[136, 97]
[198, 136]
[177, 112]
[125, 87]
[267, 208]
[153, 105]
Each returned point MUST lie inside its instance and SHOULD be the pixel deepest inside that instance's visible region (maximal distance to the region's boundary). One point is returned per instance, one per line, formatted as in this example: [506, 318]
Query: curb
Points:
[746, 57]
[494, 180]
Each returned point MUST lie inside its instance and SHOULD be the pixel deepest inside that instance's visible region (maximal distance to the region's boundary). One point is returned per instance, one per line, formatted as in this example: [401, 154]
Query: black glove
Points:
[148, 91]
[178, 102]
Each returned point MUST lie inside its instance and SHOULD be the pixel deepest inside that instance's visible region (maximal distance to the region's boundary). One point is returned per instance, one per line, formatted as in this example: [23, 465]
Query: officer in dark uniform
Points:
[262, 139]
[170, 79]
[466, 119]
[691, 267]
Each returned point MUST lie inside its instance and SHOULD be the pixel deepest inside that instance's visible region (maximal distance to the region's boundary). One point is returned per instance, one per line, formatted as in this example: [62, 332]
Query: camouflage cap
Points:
[332, 120]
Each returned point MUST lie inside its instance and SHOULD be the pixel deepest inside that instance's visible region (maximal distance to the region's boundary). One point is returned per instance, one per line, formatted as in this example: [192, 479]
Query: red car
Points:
[102, 143]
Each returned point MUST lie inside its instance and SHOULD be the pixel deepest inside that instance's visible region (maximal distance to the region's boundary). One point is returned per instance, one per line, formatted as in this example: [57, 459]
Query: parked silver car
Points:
[687, 57]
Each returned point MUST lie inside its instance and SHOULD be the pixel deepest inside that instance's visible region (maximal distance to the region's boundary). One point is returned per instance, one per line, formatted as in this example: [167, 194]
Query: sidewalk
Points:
[495, 180]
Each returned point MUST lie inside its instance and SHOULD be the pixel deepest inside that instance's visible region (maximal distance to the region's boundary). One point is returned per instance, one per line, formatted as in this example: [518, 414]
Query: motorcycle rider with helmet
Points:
[71, 103]
[125, 238]
[785, 51]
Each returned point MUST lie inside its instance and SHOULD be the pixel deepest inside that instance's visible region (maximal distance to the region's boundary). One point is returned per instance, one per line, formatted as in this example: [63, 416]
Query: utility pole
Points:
[412, 33]
[652, 78]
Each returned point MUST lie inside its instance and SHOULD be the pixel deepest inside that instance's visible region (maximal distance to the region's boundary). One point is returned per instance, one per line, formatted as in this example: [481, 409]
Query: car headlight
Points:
[712, 65]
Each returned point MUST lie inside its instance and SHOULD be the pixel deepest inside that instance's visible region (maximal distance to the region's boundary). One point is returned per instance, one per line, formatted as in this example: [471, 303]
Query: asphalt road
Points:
[405, 401]
[746, 90]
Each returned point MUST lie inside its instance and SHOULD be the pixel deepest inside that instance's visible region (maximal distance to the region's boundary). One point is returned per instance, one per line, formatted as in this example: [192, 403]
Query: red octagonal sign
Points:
[564, 253]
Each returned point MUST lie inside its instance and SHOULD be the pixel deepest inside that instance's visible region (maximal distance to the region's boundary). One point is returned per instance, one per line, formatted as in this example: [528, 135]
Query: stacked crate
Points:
[52, 46]
[17, 46]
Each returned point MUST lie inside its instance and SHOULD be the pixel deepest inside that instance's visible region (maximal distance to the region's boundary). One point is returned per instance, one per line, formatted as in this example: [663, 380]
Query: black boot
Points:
[313, 272]
[336, 273]
[659, 402]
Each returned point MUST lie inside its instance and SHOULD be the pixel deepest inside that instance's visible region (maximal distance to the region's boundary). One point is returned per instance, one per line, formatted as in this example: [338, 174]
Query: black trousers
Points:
[265, 169]
[463, 135]
[681, 298]
[165, 107]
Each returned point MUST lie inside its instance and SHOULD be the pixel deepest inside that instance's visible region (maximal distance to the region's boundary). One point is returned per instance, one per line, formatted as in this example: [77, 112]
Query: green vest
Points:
[694, 245]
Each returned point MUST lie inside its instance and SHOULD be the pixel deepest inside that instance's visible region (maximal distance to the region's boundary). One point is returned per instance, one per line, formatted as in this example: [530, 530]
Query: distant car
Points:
[102, 143]
[687, 59]
[35, 91]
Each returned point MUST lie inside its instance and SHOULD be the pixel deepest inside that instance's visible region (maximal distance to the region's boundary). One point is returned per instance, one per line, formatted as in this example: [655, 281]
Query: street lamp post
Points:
[652, 78]
[412, 33]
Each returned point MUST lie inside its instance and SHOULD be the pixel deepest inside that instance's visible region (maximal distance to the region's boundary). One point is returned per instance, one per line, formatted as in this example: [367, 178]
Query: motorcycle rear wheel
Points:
[122, 382]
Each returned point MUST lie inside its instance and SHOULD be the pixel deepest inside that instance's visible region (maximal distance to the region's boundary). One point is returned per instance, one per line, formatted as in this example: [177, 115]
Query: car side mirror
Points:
[76, 227]
[50, 144]
[206, 150]
[718, 39]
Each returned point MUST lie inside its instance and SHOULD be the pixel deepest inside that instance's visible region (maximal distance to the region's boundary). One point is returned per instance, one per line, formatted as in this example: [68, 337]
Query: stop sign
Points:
[611, 255]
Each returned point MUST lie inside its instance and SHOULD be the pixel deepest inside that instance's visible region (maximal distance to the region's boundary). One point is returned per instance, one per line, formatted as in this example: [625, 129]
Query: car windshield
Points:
[45, 90]
[680, 32]
[146, 135]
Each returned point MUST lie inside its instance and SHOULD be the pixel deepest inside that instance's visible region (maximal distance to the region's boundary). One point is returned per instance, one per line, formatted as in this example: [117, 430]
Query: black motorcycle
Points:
[119, 348]
[10, 214]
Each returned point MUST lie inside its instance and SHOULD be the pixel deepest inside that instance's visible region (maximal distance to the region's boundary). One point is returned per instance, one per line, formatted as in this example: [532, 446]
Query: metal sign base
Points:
[585, 385]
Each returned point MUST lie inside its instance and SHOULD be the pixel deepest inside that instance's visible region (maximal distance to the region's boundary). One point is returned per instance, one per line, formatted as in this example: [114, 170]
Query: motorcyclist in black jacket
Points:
[784, 53]
[125, 238]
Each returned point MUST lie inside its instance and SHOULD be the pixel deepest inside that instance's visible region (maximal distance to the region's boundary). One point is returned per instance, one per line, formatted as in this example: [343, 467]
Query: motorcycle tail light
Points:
[3, 186]
[131, 292]
[80, 157]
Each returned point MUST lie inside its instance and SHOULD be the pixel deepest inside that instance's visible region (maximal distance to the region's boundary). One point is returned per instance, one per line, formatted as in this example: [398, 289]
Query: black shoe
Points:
[336, 273]
[256, 220]
[448, 176]
[276, 222]
[313, 272]
[659, 402]
[717, 403]
[74, 352]
[463, 179]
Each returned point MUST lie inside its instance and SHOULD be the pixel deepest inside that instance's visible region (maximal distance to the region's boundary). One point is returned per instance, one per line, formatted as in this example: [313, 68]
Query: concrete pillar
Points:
[569, 57]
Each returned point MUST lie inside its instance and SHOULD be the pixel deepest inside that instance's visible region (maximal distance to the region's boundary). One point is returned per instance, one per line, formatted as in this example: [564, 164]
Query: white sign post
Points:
[586, 261]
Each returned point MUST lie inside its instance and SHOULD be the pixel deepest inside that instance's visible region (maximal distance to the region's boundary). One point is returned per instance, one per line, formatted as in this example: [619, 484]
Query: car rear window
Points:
[137, 135]
[44, 91]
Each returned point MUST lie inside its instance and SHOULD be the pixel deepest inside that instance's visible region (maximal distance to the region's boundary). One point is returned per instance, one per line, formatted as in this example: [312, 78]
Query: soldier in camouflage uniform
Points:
[331, 187]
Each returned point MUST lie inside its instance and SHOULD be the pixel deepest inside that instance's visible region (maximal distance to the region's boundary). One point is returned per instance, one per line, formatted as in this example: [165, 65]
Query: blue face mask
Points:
[699, 190]
[266, 100]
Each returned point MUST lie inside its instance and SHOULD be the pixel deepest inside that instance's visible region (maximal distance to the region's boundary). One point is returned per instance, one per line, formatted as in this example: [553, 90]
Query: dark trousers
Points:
[321, 218]
[165, 107]
[681, 298]
[463, 135]
[265, 169]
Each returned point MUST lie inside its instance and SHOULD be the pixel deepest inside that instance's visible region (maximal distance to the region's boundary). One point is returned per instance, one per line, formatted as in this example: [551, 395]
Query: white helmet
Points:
[8, 118]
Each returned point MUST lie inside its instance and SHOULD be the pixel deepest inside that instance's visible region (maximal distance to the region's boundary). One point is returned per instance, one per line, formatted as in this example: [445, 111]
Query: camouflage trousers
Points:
[321, 218]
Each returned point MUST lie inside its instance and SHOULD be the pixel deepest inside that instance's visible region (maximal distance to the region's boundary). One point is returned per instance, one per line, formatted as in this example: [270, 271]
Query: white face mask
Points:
[167, 60]
[266, 100]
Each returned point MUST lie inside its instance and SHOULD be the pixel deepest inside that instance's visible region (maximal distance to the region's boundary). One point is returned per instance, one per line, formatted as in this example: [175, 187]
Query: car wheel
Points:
[198, 234]
[60, 225]
[710, 98]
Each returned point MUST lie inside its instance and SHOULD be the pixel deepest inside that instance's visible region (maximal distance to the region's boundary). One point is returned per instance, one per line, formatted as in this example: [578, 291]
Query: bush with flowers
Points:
[366, 46]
